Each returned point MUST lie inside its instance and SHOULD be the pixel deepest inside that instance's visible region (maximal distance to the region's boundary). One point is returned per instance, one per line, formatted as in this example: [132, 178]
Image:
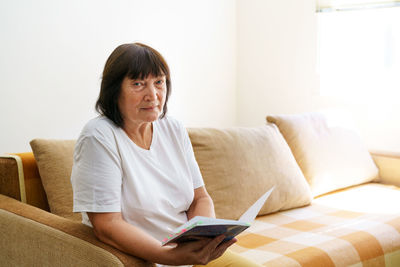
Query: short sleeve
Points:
[191, 160]
[96, 176]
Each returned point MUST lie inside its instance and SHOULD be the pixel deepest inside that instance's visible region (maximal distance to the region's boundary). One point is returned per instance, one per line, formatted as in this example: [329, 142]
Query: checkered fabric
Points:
[359, 226]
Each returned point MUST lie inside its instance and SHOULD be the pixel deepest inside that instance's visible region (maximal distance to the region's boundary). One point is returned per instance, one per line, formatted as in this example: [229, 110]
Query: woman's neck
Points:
[141, 134]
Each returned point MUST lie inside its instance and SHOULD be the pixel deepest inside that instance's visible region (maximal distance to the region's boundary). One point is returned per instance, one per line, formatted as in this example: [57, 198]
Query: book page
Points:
[252, 212]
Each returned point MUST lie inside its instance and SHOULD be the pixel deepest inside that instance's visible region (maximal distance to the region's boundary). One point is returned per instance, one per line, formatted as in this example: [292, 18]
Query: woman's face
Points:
[142, 100]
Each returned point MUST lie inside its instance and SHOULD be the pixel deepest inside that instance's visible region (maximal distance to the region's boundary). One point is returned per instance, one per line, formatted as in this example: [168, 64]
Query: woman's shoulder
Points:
[171, 124]
[99, 126]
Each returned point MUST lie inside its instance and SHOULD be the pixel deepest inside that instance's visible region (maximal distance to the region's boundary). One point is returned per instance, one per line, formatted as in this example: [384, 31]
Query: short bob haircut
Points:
[135, 61]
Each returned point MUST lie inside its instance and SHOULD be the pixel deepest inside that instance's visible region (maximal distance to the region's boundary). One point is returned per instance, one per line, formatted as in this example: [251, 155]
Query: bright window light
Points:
[368, 198]
[359, 53]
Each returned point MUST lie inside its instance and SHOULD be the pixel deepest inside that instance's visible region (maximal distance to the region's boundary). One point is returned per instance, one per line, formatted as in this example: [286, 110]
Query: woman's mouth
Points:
[149, 108]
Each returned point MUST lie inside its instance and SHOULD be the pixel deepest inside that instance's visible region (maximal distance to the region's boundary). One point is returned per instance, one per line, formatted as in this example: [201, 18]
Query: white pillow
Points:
[330, 155]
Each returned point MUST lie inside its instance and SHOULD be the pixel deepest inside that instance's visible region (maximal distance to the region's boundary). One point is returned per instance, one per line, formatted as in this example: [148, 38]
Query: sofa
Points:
[334, 203]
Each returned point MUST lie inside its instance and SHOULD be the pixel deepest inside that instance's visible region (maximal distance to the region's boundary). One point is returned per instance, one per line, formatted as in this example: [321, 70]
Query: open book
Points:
[210, 227]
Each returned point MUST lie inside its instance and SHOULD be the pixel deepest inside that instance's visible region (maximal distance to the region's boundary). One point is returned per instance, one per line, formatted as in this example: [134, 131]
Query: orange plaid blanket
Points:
[359, 226]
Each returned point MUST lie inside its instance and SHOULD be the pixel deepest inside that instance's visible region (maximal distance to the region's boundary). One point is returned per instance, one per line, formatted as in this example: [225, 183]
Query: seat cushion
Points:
[240, 164]
[329, 232]
[330, 153]
[54, 160]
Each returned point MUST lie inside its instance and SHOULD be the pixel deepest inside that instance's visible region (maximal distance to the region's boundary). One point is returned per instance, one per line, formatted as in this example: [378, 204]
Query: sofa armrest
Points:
[11, 177]
[30, 236]
[20, 179]
[388, 164]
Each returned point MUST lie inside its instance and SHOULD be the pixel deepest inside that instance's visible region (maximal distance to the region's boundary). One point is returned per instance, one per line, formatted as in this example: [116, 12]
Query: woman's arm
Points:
[112, 229]
[202, 204]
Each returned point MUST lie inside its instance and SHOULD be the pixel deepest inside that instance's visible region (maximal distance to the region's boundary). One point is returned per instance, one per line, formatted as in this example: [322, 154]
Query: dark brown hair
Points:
[135, 61]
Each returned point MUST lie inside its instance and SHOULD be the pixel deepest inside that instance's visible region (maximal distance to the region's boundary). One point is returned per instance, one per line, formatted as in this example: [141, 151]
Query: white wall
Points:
[277, 72]
[276, 59]
[52, 54]
[232, 62]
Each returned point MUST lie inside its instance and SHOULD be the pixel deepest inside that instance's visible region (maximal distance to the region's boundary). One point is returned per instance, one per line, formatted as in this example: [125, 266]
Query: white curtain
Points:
[338, 5]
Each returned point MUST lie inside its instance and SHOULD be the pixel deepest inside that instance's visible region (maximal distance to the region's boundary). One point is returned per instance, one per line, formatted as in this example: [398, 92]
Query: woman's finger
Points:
[222, 248]
[208, 251]
[215, 243]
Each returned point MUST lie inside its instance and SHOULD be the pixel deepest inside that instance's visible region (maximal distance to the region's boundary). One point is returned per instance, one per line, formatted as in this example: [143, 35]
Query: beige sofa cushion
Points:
[54, 159]
[240, 164]
[331, 156]
[388, 164]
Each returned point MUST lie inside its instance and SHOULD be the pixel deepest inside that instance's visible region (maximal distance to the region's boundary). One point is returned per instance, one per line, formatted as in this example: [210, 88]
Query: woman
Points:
[134, 177]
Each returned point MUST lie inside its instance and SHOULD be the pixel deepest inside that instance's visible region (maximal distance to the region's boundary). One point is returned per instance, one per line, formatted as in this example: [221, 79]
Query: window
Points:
[359, 52]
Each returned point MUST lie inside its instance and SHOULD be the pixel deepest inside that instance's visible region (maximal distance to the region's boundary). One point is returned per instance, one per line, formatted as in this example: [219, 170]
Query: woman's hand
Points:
[199, 252]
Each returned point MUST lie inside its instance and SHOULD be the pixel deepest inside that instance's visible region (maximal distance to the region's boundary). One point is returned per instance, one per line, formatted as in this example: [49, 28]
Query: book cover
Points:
[210, 227]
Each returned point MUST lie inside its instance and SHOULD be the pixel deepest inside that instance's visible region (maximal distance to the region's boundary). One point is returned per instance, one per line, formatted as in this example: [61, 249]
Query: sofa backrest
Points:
[239, 164]
[264, 148]
[32, 188]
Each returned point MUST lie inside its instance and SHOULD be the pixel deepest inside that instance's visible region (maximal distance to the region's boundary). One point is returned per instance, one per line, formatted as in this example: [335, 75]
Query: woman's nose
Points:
[151, 93]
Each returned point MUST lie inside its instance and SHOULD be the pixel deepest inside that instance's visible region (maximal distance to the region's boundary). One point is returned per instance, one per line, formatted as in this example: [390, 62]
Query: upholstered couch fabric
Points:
[54, 159]
[330, 233]
[240, 164]
[35, 194]
[389, 167]
[330, 155]
[32, 237]
[28, 243]
[9, 180]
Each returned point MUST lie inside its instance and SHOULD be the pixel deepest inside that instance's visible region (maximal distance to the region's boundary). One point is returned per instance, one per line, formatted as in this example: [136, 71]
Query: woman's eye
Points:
[160, 82]
[137, 85]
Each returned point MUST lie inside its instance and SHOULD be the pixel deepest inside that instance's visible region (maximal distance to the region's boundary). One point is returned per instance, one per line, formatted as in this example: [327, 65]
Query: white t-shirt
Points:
[152, 188]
